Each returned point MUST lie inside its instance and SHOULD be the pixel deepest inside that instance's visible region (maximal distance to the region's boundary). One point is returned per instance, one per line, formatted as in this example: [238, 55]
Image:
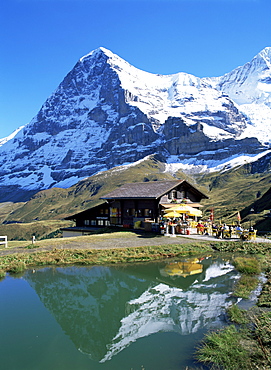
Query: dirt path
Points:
[107, 241]
[111, 241]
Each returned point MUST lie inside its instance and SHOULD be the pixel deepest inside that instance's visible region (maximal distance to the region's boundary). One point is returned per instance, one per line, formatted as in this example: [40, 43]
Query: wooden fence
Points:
[4, 240]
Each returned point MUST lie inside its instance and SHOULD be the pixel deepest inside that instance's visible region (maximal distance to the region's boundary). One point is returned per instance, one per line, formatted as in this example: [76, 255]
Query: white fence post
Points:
[4, 241]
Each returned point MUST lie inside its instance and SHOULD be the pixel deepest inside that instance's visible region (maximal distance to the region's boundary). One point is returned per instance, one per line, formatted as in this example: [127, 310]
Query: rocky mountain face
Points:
[107, 113]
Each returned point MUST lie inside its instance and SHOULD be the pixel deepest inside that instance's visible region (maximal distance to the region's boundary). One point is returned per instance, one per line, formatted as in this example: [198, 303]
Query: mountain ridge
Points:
[107, 113]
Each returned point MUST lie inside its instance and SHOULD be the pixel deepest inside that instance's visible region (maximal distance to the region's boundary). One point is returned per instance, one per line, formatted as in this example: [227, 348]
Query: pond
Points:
[137, 316]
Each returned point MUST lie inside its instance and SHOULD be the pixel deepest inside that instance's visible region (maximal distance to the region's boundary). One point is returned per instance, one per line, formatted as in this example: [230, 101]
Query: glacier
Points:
[249, 86]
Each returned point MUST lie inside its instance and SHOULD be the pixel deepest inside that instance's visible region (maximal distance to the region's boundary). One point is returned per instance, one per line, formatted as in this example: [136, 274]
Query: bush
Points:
[245, 285]
[263, 329]
[223, 349]
[2, 273]
[237, 315]
[17, 267]
[247, 265]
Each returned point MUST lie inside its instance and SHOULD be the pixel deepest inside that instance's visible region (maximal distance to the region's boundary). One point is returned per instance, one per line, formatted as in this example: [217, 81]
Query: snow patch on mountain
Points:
[192, 165]
[11, 136]
[216, 133]
[259, 116]
[128, 165]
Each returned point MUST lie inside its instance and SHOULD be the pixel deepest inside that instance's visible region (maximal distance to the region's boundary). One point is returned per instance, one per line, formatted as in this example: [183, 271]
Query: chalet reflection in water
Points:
[105, 309]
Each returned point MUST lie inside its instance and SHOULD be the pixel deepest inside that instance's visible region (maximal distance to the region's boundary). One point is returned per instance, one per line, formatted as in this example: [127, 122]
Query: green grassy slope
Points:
[235, 190]
[55, 203]
[41, 229]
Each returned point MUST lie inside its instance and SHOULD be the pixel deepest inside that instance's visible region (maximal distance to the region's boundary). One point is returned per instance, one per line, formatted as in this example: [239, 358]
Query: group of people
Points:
[208, 228]
[221, 230]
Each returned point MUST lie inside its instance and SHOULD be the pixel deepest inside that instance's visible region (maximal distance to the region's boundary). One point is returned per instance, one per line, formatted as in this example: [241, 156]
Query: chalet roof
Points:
[151, 190]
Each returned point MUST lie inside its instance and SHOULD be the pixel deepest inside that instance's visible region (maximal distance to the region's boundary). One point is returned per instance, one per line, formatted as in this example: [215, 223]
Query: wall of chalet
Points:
[98, 216]
[181, 192]
[128, 211]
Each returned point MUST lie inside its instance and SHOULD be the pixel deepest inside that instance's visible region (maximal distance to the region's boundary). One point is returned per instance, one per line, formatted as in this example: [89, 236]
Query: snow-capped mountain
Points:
[107, 113]
[11, 136]
[249, 86]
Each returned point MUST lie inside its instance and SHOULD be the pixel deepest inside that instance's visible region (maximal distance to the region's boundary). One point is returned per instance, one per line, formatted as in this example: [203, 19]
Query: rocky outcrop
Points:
[183, 140]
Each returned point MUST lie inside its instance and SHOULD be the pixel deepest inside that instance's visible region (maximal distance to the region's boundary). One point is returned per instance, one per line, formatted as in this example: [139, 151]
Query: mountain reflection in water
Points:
[104, 309]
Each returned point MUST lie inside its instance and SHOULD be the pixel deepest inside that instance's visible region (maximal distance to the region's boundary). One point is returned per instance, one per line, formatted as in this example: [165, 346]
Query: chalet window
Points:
[131, 211]
[172, 195]
[147, 212]
[86, 222]
[107, 223]
[115, 212]
[100, 222]
[93, 222]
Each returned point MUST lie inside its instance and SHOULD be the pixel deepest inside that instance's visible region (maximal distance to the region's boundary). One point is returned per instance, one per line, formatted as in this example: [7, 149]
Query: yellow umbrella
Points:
[184, 208]
[195, 212]
[183, 268]
[181, 208]
[172, 214]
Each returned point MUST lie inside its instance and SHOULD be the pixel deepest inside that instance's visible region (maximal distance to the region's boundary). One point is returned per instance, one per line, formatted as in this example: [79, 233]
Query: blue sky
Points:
[41, 41]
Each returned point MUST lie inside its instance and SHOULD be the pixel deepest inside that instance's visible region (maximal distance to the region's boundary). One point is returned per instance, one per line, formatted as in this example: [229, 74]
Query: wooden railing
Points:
[4, 240]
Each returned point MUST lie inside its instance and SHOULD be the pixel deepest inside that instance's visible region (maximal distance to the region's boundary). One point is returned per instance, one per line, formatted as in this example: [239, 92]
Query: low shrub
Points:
[265, 296]
[2, 273]
[31, 246]
[223, 349]
[247, 265]
[263, 330]
[245, 285]
[17, 267]
[237, 315]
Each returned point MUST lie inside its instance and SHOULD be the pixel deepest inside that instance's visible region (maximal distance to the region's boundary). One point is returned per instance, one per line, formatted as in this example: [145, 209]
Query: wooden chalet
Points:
[133, 204]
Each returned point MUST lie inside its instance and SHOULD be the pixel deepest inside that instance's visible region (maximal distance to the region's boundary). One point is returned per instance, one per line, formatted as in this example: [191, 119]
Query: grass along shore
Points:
[30, 256]
[244, 344]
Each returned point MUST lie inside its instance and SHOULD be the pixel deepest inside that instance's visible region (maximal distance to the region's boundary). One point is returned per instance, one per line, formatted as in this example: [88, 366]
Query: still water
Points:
[140, 316]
